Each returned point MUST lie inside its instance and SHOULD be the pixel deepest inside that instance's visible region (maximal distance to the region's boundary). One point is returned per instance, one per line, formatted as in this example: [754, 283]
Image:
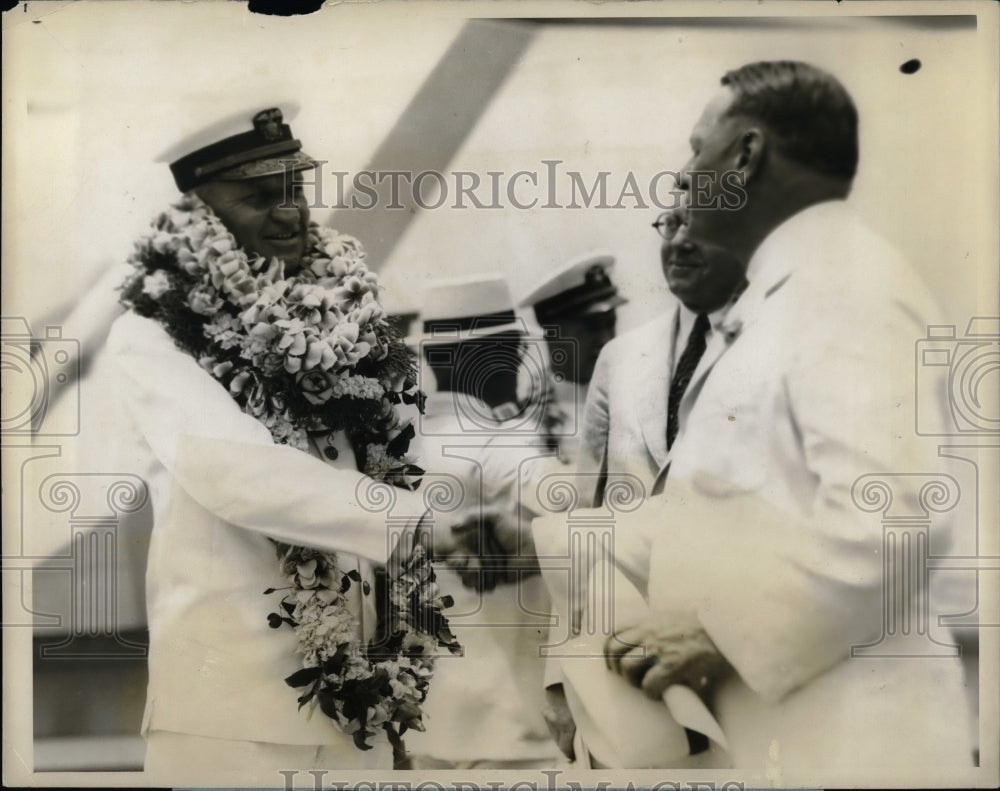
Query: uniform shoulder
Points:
[654, 329]
[128, 327]
[136, 338]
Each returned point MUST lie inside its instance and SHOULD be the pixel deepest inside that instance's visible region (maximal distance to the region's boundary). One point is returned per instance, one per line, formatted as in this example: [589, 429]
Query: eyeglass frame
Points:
[667, 224]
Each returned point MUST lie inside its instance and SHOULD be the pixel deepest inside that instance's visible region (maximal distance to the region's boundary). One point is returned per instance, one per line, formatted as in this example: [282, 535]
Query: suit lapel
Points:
[743, 313]
[653, 387]
[769, 270]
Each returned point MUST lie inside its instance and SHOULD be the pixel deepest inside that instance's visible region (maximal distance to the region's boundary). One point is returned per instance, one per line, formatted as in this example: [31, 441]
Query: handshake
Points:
[486, 548]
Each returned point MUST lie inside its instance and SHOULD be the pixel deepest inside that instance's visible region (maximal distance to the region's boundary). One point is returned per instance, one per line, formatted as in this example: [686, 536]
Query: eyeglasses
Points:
[668, 223]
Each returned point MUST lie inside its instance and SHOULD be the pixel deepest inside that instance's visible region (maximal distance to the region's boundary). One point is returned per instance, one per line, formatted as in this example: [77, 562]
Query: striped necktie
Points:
[686, 366]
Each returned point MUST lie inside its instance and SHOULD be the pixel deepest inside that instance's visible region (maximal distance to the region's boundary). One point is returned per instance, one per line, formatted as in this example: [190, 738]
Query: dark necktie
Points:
[682, 375]
[686, 366]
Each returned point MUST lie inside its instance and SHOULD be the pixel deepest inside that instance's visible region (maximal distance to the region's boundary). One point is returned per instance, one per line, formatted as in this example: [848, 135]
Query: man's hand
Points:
[470, 556]
[512, 539]
[489, 550]
[663, 649]
[559, 719]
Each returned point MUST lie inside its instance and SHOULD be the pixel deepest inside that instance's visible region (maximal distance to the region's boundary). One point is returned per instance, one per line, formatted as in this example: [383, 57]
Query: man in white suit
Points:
[762, 573]
[625, 422]
[217, 708]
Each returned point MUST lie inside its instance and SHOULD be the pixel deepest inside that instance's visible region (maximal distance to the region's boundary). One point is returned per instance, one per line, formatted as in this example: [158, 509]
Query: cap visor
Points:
[286, 163]
[603, 306]
[456, 336]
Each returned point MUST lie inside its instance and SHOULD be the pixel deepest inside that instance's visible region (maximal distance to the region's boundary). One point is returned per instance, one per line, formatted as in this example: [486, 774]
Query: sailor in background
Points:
[485, 710]
[576, 307]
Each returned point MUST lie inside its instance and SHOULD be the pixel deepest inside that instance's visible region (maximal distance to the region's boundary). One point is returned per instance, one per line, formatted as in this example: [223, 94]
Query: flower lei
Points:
[309, 355]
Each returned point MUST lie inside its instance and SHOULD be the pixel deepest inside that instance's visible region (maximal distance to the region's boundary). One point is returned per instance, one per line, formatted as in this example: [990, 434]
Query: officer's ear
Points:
[750, 152]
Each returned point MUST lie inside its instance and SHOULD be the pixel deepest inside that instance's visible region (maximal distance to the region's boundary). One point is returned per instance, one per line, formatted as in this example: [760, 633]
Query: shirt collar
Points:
[715, 318]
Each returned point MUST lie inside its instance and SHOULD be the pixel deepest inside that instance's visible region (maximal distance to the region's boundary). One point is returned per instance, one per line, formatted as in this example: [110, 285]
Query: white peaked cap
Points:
[460, 308]
[579, 287]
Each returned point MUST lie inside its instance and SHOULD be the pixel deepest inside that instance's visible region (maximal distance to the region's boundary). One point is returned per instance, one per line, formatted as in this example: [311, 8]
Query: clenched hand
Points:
[666, 648]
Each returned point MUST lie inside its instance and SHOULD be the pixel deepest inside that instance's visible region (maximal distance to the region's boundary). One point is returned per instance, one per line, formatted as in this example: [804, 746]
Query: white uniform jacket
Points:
[221, 488]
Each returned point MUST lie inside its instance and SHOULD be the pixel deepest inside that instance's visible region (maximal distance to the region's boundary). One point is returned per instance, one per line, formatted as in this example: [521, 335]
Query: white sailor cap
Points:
[579, 288]
[463, 308]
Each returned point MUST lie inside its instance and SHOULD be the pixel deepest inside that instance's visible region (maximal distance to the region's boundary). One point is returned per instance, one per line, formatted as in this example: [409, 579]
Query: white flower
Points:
[275, 272]
[307, 571]
[163, 242]
[188, 261]
[204, 301]
[156, 284]
[353, 292]
[239, 382]
[198, 232]
[366, 314]
[322, 268]
[336, 247]
[346, 334]
[320, 354]
[357, 387]
[328, 596]
[230, 271]
[223, 329]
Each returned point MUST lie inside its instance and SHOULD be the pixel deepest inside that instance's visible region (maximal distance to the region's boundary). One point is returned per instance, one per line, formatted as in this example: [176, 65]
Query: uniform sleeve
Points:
[227, 461]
